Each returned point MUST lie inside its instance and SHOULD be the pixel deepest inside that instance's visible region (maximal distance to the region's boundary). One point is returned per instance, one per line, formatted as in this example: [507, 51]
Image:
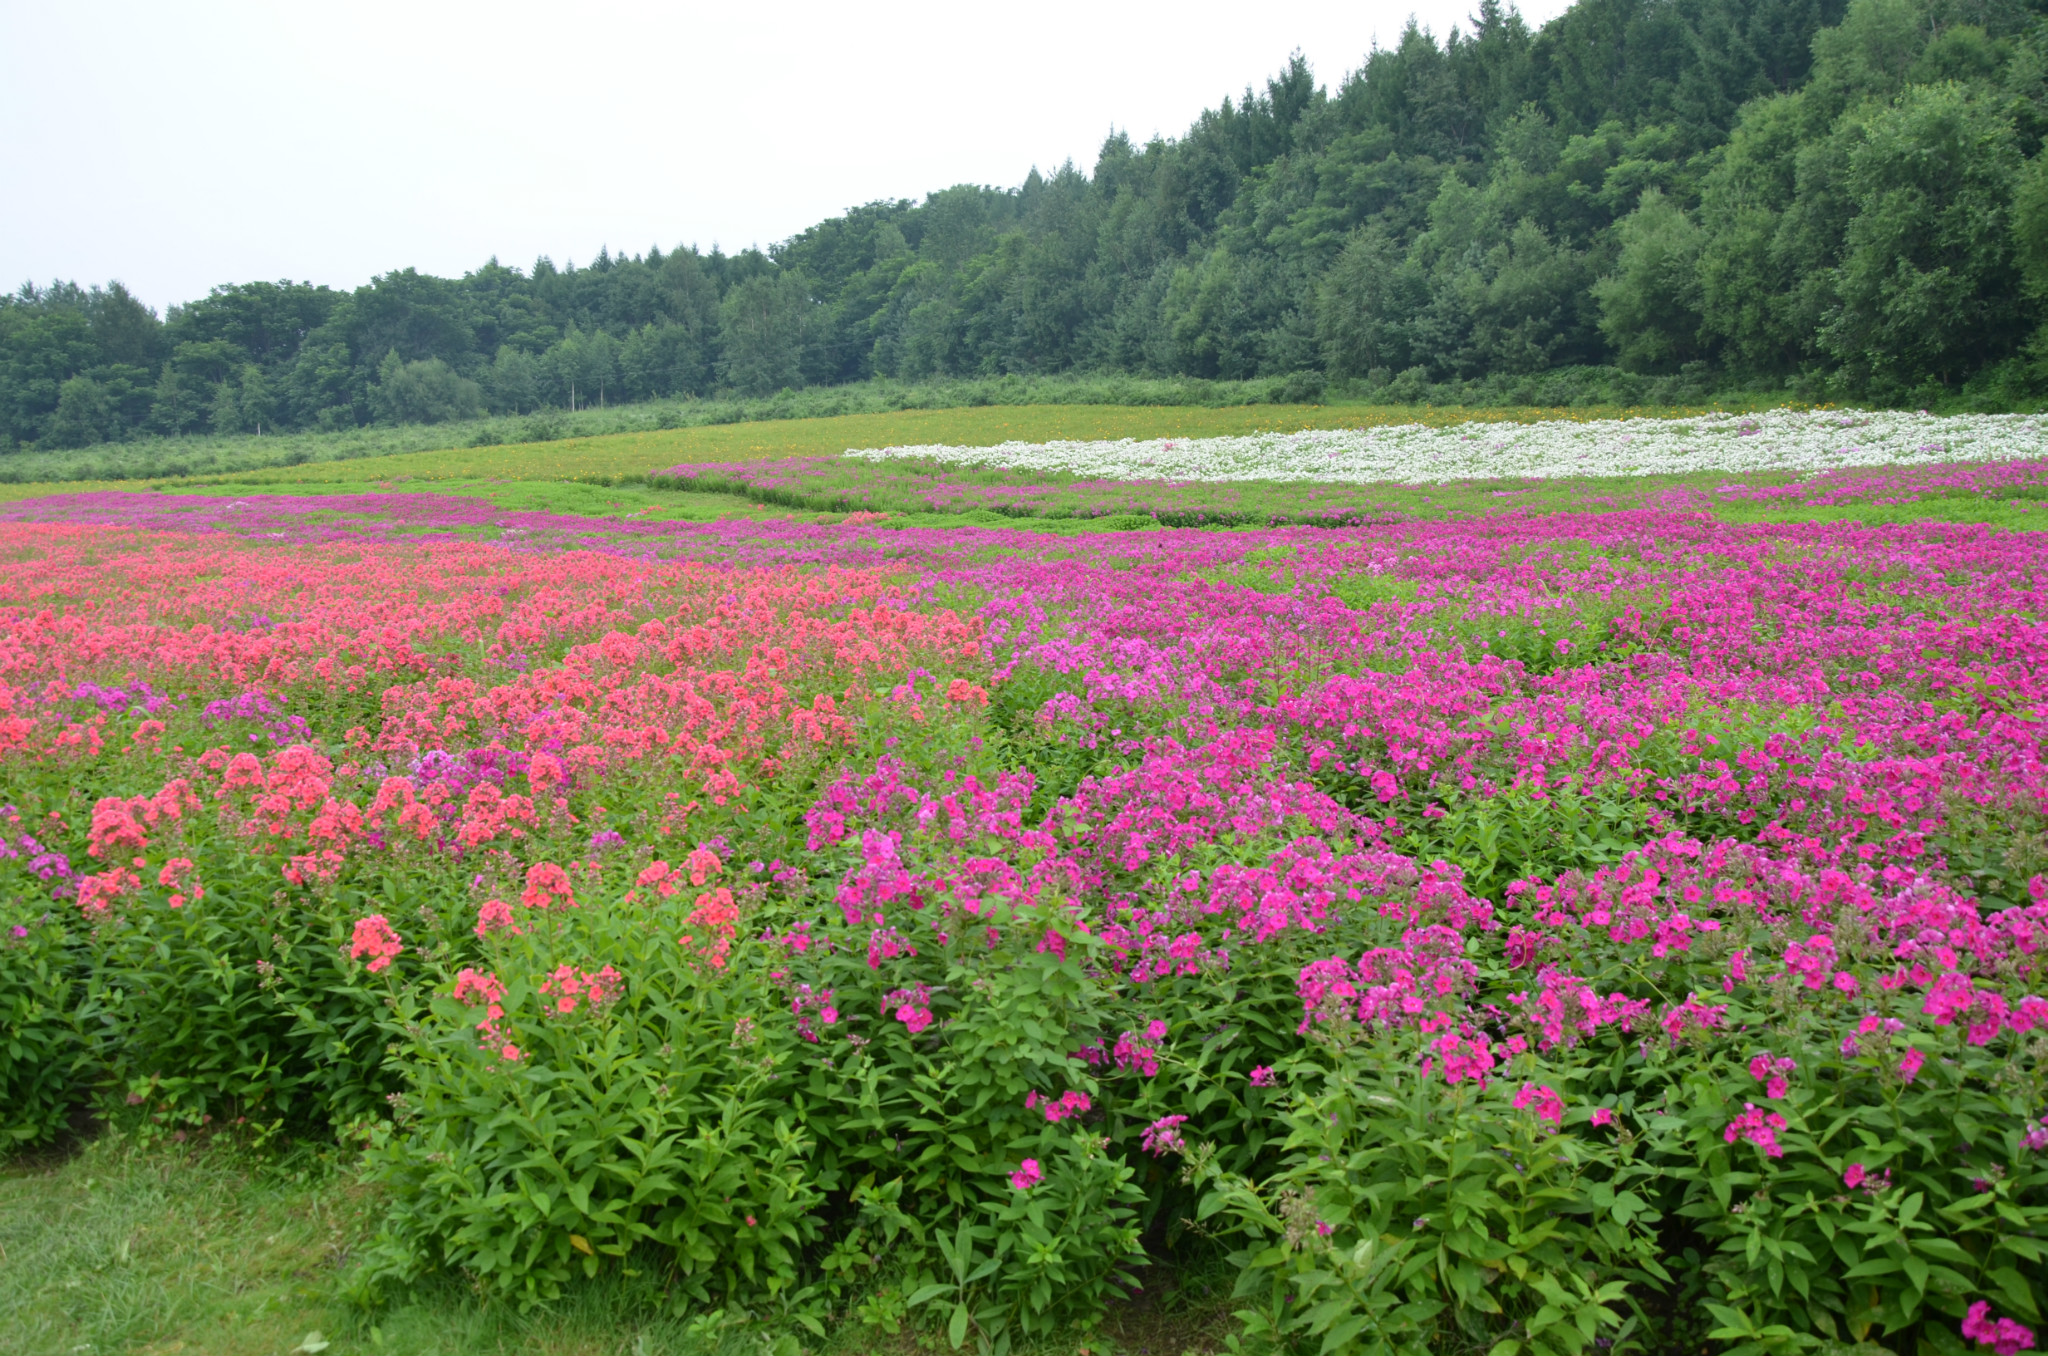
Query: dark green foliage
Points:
[42, 975]
[425, 392]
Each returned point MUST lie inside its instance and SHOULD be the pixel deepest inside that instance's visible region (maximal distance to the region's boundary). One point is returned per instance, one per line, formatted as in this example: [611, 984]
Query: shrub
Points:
[43, 1075]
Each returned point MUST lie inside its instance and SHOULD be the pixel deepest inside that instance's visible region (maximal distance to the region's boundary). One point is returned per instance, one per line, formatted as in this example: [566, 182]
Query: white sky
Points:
[174, 145]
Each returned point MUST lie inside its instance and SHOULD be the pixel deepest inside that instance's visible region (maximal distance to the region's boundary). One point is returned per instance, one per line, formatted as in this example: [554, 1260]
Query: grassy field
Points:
[113, 1248]
[606, 476]
[639, 502]
[627, 454]
[236, 454]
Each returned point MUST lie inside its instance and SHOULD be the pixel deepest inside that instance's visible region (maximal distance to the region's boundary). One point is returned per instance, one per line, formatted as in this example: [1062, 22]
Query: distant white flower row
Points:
[1779, 440]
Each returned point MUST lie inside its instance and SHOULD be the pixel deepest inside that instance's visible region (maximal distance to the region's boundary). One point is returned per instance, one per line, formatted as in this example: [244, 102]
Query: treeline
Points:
[1844, 198]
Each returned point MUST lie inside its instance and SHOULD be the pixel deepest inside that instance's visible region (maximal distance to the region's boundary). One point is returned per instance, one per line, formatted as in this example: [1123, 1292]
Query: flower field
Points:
[1347, 477]
[1521, 933]
[1800, 441]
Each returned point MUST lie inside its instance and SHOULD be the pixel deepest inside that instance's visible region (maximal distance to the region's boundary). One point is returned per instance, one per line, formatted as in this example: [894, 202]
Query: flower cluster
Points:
[1759, 1127]
[374, 937]
[570, 988]
[1057, 1109]
[2002, 1335]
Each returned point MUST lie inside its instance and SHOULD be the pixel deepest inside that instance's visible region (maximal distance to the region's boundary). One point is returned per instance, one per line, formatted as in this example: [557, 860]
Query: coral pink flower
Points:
[545, 883]
[374, 937]
[495, 915]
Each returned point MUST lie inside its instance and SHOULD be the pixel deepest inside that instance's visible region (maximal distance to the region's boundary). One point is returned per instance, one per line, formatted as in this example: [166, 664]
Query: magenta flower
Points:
[1853, 1176]
[1027, 1175]
[1163, 1136]
[1759, 1127]
[2003, 1335]
[1909, 1067]
[1603, 1115]
[1547, 1105]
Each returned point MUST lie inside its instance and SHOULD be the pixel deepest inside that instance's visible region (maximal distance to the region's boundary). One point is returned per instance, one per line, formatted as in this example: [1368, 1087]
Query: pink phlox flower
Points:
[1738, 970]
[545, 883]
[570, 987]
[1163, 1136]
[1759, 1127]
[1542, 1100]
[1069, 1103]
[1910, 1063]
[495, 915]
[702, 864]
[1813, 961]
[1027, 1175]
[1692, 1017]
[912, 1007]
[809, 1003]
[887, 944]
[1771, 1072]
[374, 937]
[2004, 1336]
[1131, 1053]
[1465, 1053]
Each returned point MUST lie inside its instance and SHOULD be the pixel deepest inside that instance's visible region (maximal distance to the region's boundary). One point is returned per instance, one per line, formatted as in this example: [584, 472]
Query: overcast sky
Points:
[176, 145]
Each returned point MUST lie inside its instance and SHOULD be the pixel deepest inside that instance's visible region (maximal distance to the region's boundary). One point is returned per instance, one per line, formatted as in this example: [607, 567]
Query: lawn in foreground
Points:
[111, 1247]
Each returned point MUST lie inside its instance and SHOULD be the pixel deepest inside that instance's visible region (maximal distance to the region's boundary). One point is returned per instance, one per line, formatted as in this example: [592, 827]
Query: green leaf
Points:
[2018, 1294]
[1342, 1333]
[957, 1328]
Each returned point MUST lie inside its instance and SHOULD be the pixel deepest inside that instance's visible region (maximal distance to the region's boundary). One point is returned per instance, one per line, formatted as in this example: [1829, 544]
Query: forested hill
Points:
[1846, 195]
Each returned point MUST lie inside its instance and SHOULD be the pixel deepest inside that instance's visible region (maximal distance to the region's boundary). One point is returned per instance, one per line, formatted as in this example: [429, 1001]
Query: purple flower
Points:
[1163, 1136]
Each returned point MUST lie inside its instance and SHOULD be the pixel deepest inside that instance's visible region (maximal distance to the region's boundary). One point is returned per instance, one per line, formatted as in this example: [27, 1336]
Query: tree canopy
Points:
[1845, 193]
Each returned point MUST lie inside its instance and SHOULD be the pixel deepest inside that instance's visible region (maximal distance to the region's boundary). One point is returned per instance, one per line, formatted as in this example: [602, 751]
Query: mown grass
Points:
[622, 454]
[236, 454]
[113, 1249]
[641, 503]
[606, 476]
[632, 454]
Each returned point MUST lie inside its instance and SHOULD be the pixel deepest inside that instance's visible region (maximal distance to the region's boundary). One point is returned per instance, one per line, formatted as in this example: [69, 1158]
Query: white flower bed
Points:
[1779, 440]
